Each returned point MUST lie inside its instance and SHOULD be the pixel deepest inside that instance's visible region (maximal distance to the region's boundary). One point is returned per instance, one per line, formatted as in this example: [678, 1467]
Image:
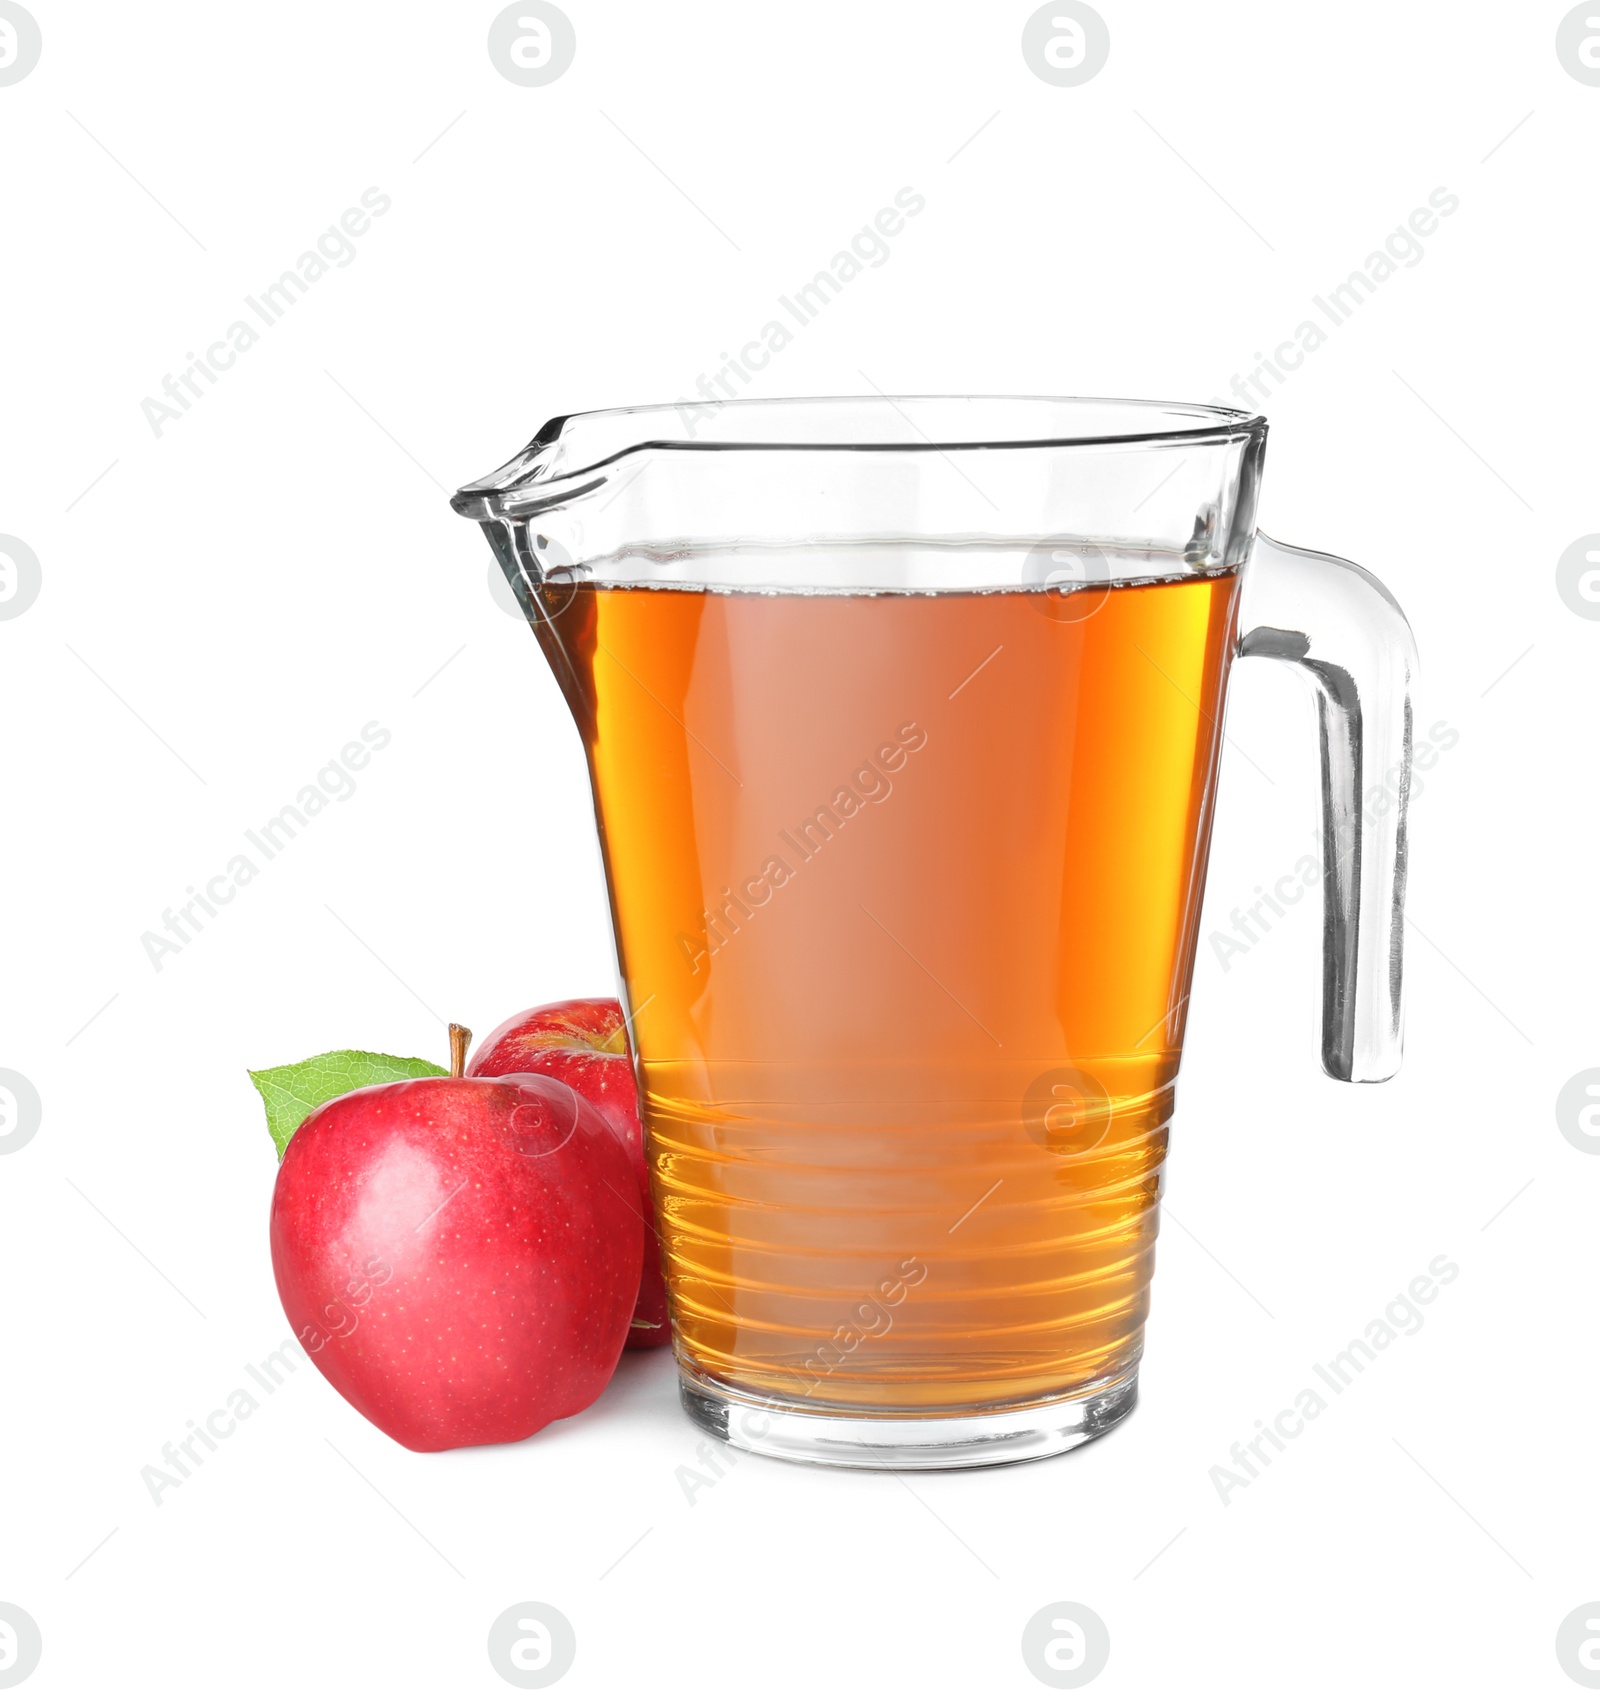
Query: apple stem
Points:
[460, 1039]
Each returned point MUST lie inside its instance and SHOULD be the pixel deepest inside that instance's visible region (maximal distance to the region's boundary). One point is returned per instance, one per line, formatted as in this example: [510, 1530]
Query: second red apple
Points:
[584, 1042]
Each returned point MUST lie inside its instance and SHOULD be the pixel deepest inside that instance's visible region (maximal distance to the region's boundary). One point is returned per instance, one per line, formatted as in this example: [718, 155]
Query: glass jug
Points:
[902, 718]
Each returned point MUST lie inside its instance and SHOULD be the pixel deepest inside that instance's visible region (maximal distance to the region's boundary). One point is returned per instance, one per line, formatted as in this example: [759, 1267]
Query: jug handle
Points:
[1342, 628]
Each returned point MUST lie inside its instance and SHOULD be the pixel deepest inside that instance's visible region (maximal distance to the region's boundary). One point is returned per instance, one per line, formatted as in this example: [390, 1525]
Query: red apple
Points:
[459, 1256]
[584, 1042]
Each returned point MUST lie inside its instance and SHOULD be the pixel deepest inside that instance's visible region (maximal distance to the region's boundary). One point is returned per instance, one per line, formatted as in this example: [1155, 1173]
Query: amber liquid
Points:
[905, 890]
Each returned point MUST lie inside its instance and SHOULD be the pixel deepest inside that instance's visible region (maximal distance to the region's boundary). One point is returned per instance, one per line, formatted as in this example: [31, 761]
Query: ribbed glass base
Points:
[840, 1439]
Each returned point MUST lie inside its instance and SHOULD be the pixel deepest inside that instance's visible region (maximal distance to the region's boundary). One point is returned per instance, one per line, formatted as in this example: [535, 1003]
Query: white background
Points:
[229, 602]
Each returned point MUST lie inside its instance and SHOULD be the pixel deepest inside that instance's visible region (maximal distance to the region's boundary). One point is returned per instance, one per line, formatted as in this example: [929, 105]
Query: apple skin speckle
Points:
[460, 1257]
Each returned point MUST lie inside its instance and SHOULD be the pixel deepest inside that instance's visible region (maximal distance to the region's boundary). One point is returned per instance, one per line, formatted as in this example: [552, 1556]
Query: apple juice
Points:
[905, 890]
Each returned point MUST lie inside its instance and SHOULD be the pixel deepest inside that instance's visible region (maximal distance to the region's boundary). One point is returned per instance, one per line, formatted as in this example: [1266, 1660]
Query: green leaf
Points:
[293, 1091]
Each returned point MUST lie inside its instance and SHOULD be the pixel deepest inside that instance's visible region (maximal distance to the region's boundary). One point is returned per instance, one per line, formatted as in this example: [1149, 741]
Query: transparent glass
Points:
[903, 720]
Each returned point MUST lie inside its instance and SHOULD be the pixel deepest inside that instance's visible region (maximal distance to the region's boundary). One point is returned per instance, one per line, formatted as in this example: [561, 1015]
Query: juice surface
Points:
[905, 890]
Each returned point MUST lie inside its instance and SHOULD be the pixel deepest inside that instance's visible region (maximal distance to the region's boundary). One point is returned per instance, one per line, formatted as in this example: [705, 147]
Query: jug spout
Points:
[528, 483]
